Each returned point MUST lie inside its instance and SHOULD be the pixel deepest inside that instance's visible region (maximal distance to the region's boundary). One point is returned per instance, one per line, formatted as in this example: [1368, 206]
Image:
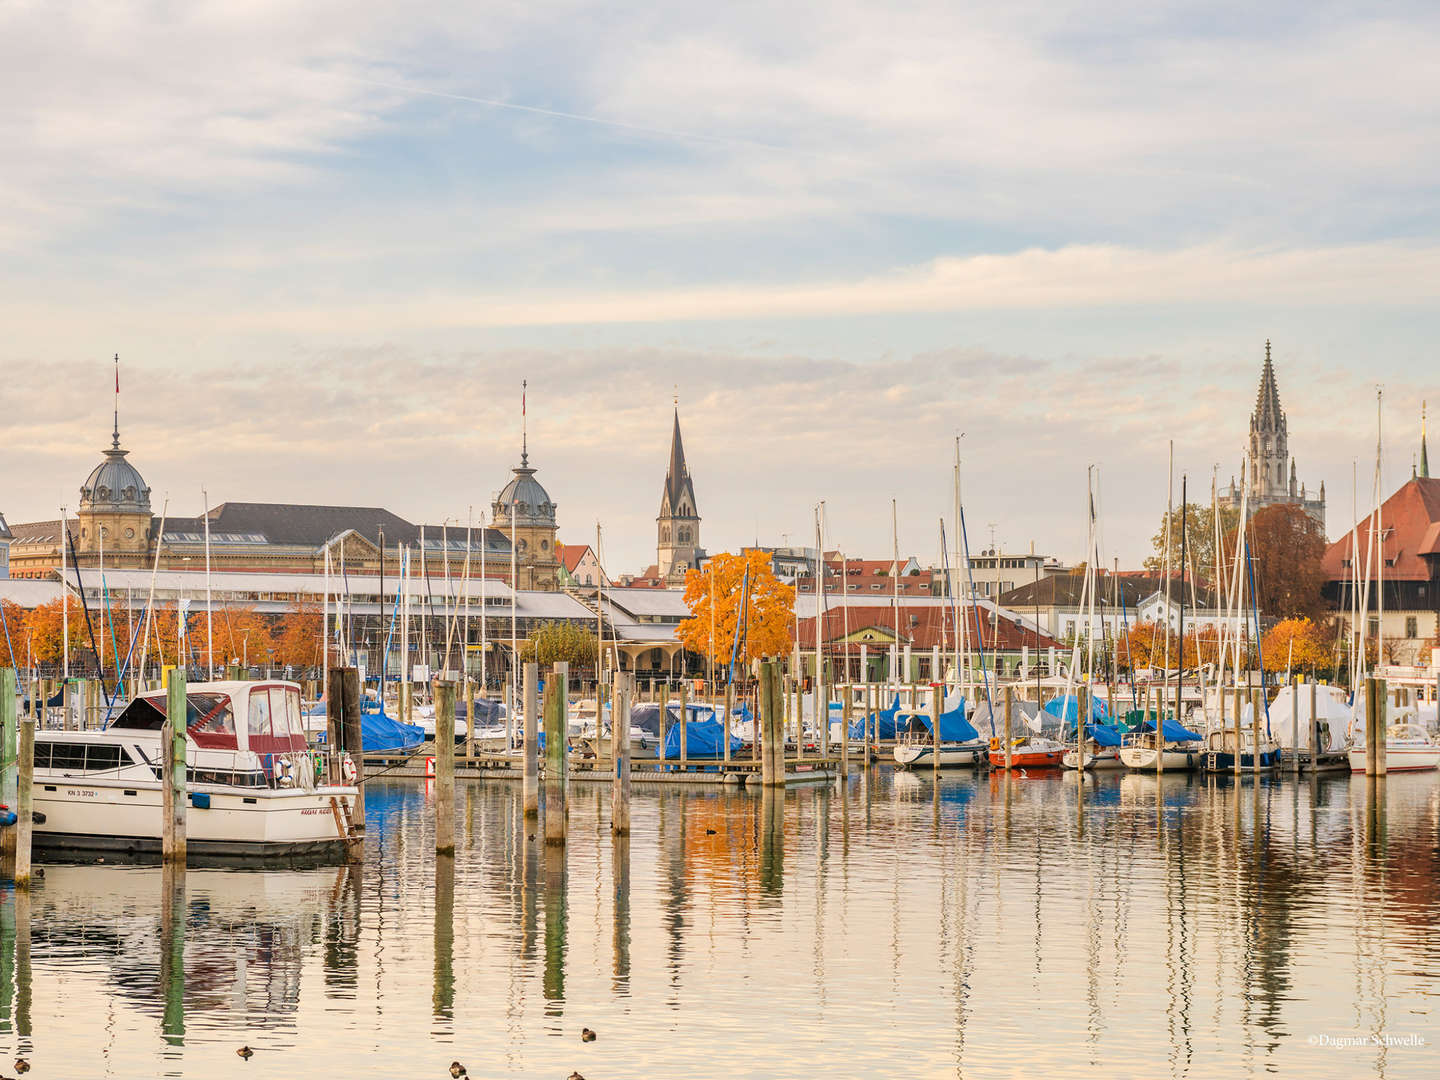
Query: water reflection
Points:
[1192, 925]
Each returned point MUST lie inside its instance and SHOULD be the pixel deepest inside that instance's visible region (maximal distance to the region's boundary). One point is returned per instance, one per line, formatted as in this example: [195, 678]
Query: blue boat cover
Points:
[954, 728]
[1065, 706]
[380, 734]
[883, 722]
[1103, 734]
[703, 739]
[1174, 730]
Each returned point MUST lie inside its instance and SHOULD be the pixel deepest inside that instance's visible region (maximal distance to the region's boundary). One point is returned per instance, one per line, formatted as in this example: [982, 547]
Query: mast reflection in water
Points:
[984, 925]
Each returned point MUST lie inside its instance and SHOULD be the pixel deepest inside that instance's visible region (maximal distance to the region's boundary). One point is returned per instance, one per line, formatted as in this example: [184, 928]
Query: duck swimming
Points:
[586, 1035]
[245, 1052]
[457, 1070]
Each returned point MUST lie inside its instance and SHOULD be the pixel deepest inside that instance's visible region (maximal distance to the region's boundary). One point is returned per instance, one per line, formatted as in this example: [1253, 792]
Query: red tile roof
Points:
[920, 627]
[570, 555]
[1410, 519]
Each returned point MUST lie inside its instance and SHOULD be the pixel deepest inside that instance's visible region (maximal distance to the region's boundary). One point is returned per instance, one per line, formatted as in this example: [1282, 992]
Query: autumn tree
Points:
[1298, 644]
[769, 612]
[296, 637]
[45, 626]
[13, 634]
[1286, 545]
[560, 642]
[1199, 538]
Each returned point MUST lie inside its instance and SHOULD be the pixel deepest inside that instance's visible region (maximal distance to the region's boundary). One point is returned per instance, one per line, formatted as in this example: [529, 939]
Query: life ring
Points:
[281, 769]
[347, 769]
[994, 744]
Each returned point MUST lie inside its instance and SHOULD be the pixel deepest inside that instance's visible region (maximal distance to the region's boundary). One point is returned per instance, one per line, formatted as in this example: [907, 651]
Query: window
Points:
[99, 756]
[259, 719]
[1412, 626]
[279, 714]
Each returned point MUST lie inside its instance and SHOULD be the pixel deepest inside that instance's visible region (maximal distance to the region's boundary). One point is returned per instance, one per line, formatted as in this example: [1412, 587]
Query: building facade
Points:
[1403, 565]
[1271, 477]
[116, 526]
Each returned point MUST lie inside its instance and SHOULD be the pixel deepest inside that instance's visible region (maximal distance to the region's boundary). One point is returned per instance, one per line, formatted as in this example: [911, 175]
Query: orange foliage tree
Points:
[296, 638]
[46, 626]
[14, 635]
[766, 631]
[1309, 641]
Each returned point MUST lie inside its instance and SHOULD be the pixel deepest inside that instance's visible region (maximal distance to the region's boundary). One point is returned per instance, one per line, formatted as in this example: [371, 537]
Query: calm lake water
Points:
[904, 929]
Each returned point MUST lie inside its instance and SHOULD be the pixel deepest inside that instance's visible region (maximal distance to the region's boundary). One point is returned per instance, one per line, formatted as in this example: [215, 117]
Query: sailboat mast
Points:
[1379, 533]
[895, 595]
[64, 605]
[822, 700]
[209, 607]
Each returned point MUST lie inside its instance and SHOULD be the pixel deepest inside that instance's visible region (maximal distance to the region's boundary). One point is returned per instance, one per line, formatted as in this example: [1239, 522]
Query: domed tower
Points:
[524, 513]
[114, 511]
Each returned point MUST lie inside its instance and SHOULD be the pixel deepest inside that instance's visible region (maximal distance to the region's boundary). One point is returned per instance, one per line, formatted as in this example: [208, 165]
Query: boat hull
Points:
[919, 755]
[1032, 759]
[1223, 761]
[1400, 758]
[1098, 761]
[100, 816]
[1142, 758]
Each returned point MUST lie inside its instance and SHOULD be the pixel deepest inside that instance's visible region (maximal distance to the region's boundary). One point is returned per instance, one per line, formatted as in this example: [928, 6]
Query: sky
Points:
[329, 240]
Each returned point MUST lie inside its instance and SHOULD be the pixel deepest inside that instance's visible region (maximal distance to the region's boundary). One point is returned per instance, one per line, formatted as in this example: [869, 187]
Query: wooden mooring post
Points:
[172, 749]
[335, 723]
[25, 802]
[9, 757]
[351, 735]
[444, 691]
[1375, 710]
[530, 749]
[620, 782]
[556, 760]
[1314, 726]
[772, 746]
[684, 723]
[845, 736]
[1005, 724]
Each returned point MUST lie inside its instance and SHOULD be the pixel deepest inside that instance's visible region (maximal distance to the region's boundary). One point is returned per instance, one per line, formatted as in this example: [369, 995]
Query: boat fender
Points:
[200, 800]
[8, 817]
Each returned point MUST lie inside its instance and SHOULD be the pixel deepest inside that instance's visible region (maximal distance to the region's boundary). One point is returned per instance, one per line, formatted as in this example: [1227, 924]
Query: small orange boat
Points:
[1032, 752]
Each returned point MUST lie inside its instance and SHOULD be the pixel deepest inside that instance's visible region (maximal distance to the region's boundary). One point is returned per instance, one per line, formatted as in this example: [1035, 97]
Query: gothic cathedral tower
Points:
[1269, 439]
[1270, 478]
[678, 544]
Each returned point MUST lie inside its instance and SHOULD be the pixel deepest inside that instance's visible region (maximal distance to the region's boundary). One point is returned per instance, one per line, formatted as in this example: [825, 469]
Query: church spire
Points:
[1424, 454]
[677, 477]
[1268, 414]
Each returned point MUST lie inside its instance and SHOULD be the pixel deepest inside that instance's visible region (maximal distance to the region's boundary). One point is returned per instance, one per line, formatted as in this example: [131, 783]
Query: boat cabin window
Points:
[259, 721]
[79, 757]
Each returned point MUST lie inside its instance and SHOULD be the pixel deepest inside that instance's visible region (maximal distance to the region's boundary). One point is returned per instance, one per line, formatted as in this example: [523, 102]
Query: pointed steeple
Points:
[677, 477]
[1268, 414]
[1424, 452]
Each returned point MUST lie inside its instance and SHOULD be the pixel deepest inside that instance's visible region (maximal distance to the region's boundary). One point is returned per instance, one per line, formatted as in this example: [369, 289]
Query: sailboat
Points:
[958, 743]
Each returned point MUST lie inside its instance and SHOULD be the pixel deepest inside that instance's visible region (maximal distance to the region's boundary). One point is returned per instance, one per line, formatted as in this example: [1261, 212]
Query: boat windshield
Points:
[205, 714]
